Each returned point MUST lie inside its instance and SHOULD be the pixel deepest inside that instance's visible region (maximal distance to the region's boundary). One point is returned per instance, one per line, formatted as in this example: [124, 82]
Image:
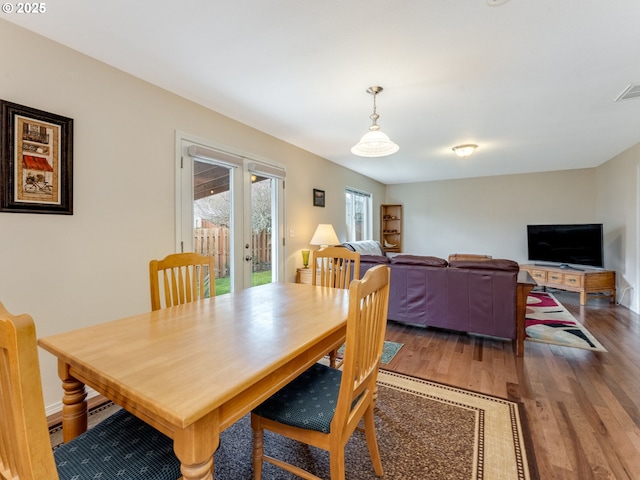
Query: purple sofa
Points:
[474, 296]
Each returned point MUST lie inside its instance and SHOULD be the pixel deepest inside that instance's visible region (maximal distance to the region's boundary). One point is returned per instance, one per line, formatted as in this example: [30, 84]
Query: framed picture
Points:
[36, 161]
[318, 198]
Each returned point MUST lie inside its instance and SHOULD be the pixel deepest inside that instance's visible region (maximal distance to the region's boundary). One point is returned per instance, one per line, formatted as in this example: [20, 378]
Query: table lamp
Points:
[324, 236]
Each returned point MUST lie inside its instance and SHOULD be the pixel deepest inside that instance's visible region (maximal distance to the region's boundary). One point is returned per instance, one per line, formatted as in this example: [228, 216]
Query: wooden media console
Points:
[587, 281]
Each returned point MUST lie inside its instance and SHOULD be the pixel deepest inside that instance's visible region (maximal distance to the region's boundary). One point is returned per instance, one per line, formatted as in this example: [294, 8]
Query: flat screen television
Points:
[579, 244]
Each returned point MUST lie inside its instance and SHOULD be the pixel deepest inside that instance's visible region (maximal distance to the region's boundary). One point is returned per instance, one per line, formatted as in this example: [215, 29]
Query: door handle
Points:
[248, 258]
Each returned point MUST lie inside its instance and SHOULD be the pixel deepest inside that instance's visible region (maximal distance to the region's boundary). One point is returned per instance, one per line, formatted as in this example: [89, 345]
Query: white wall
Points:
[618, 181]
[488, 215]
[71, 271]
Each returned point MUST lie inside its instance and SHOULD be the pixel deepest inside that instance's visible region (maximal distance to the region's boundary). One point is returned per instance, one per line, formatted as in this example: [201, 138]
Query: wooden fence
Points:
[216, 241]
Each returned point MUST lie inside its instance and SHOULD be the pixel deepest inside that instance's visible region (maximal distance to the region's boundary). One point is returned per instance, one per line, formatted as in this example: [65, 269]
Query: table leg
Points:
[583, 298]
[195, 445]
[74, 404]
[522, 292]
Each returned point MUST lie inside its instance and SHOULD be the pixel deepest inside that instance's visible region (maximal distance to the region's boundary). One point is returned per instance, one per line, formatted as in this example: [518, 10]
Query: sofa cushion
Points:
[365, 247]
[419, 260]
[493, 264]
[377, 259]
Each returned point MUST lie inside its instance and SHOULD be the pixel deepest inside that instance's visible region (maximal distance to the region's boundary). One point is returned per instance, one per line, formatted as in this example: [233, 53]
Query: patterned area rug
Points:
[425, 430]
[548, 321]
[389, 350]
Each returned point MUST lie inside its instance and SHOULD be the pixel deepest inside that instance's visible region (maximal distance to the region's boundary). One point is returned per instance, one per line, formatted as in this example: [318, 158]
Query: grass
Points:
[223, 285]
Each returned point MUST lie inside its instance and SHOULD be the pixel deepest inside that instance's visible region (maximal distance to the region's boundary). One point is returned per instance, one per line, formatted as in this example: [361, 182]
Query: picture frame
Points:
[318, 198]
[36, 161]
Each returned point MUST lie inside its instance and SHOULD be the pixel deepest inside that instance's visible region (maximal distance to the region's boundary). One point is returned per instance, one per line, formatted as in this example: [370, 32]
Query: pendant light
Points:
[374, 143]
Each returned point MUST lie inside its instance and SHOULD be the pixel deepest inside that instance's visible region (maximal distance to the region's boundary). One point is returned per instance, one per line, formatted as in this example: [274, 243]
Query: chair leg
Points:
[258, 448]
[336, 460]
[372, 442]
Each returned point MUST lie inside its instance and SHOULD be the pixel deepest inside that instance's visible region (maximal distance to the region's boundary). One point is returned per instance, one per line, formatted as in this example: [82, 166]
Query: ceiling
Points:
[532, 82]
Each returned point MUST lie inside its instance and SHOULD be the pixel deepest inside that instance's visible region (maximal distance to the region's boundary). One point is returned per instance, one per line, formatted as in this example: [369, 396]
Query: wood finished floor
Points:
[583, 407]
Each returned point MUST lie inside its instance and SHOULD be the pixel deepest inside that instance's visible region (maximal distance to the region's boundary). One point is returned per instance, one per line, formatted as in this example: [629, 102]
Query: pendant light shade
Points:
[374, 143]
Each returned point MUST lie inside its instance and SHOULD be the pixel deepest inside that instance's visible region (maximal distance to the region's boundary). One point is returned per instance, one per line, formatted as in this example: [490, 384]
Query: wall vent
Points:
[632, 91]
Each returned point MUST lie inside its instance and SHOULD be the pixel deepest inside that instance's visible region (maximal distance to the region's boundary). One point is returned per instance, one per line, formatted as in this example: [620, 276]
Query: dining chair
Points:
[335, 267]
[468, 256]
[121, 446]
[323, 406]
[181, 278]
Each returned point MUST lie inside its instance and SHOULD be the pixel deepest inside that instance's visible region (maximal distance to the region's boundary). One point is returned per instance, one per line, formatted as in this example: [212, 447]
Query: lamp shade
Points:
[324, 235]
[374, 143]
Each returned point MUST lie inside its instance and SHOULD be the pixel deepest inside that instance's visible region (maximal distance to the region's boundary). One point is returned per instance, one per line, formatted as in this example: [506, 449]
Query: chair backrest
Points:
[25, 448]
[185, 277]
[366, 327]
[468, 256]
[335, 267]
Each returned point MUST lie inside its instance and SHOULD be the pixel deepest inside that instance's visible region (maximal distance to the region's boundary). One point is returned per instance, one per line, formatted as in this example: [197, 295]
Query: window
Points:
[359, 217]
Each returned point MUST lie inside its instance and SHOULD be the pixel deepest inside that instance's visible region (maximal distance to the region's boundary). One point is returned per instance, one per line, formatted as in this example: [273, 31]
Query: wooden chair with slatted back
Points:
[335, 267]
[119, 444]
[185, 277]
[468, 256]
[327, 420]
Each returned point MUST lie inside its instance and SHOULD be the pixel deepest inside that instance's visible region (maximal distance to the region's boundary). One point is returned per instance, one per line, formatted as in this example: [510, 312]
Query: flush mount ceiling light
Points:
[465, 150]
[374, 143]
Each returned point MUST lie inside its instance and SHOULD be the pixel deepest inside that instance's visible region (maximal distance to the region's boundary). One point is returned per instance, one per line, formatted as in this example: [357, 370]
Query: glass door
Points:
[212, 220]
[231, 208]
[261, 230]
[264, 225]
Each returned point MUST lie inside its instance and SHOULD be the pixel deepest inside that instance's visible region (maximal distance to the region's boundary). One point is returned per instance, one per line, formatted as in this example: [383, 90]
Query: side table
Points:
[303, 275]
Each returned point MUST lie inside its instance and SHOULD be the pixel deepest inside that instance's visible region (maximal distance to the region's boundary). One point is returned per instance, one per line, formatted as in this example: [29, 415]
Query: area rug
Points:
[389, 350]
[548, 321]
[425, 430]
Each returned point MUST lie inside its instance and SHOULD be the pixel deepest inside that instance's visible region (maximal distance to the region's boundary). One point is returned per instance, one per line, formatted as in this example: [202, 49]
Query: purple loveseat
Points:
[474, 296]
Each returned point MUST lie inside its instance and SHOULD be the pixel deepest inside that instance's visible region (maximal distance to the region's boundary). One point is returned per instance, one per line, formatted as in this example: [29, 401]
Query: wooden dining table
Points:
[193, 370]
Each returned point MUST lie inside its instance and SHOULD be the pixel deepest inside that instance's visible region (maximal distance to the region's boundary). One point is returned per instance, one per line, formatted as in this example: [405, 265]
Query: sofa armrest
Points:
[365, 247]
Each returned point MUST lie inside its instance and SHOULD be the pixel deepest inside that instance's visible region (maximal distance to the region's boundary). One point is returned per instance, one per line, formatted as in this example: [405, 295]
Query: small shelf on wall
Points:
[391, 227]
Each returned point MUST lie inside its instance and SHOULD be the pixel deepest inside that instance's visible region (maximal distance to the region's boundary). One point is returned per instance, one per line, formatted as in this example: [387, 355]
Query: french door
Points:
[231, 207]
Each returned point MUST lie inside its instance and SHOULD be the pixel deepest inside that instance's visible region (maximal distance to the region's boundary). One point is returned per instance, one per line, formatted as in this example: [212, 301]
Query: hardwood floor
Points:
[583, 407]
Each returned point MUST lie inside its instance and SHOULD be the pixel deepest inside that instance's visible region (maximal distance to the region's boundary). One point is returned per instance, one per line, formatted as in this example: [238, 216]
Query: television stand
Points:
[564, 266]
[587, 281]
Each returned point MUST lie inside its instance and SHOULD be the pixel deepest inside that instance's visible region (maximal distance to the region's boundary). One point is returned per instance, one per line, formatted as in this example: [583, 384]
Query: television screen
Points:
[579, 244]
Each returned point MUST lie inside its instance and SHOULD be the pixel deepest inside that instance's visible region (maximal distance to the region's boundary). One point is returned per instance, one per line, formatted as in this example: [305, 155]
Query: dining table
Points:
[193, 370]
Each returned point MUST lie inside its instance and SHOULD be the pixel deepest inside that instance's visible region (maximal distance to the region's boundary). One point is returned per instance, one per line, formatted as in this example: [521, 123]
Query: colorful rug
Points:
[388, 351]
[425, 431]
[548, 321]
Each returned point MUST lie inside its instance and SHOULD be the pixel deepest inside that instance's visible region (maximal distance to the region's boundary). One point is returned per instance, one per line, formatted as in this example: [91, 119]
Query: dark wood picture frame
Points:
[36, 161]
[318, 198]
